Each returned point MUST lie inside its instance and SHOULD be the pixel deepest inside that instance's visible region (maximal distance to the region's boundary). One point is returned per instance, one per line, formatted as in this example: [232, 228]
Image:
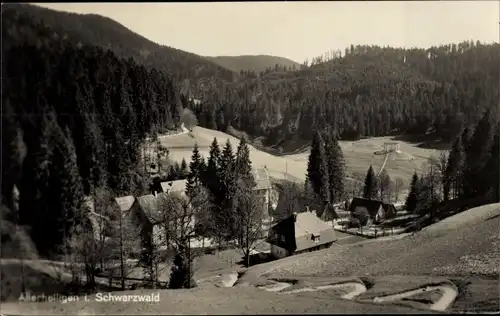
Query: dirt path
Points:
[447, 298]
[383, 165]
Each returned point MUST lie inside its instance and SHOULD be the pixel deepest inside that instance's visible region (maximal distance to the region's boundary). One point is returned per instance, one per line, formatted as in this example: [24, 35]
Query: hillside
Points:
[368, 91]
[20, 22]
[256, 63]
[462, 257]
[358, 155]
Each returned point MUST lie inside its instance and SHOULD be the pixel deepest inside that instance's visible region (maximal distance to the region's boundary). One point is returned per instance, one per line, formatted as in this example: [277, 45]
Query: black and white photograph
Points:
[279, 157]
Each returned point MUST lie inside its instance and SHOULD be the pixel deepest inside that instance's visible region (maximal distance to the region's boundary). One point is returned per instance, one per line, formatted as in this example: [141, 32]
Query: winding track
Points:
[383, 165]
[447, 298]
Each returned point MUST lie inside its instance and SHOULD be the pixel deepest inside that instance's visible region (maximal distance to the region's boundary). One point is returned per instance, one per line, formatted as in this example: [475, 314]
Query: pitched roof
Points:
[372, 206]
[262, 180]
[174, 186]
[305, 225]
[125, 202]
[152, 205]
[149, 205]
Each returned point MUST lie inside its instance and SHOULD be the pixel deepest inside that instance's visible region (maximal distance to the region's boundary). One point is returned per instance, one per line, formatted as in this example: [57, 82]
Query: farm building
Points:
[371, 211]
[301, 232]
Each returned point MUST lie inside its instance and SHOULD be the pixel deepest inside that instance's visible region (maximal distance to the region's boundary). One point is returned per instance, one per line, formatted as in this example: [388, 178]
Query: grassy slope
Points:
[359, 155]
[252, 62]
[391, 266]
[467, 251]
[427, 252]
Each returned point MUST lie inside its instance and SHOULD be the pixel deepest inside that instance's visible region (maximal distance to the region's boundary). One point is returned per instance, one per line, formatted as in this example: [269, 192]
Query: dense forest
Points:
[369, 91]
[361, 91]
[78, 117]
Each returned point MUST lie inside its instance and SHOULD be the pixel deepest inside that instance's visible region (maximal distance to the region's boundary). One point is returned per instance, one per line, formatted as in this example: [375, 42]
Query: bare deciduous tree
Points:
[439, 165]
[384, 182]
[178, 215]
[398, 185]
[125, 241]
[249, 216]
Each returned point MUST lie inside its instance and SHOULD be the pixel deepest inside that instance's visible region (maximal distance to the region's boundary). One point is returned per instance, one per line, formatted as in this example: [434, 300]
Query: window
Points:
[315, 238]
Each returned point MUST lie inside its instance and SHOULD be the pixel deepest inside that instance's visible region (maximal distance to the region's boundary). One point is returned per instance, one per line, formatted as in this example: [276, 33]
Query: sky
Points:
[300, 30]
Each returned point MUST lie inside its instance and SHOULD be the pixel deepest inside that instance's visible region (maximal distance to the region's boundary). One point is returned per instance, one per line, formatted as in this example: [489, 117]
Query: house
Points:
[300, 232]
[371, 211]
[148, 213]
[178, 186]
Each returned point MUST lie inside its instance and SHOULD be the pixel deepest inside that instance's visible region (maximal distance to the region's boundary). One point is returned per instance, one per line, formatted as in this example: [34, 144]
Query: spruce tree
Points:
[226, 164]
[184, 168]
[370, 188]
[454, 167]
[66, 188]
[243, 165]
[211, 177]
[195, 172]
[317, 169]
[336, 167]
[384, 183]
[476, 156]
[227, 189]
[34, 208]
[412, 198]
[491, 172]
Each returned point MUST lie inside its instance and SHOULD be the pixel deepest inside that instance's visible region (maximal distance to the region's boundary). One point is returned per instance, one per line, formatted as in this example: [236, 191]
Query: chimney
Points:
[154, 193]
[307, 208]
[294, 216]
[314, 212]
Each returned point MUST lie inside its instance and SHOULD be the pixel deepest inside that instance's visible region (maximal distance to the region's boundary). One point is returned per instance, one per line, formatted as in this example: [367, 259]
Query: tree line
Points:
[470, 169]
[370, 91]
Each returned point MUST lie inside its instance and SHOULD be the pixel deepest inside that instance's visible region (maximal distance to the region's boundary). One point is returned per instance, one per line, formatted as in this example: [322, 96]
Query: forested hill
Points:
[255, 63]
[20, 21]
[73, 121]
[367, 91]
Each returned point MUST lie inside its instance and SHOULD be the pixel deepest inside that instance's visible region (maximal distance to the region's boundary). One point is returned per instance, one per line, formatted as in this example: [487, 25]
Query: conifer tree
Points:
[34, 201]
[195, 172]
[317, 169]
[412, 198]
[243, 165]
[211, 177]
[66, 189]
[384, 183]
[370, 188]
[227, 190]
[184, 168]
[476, 155]
[491, 172]
[454, 167]
[336, 167]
